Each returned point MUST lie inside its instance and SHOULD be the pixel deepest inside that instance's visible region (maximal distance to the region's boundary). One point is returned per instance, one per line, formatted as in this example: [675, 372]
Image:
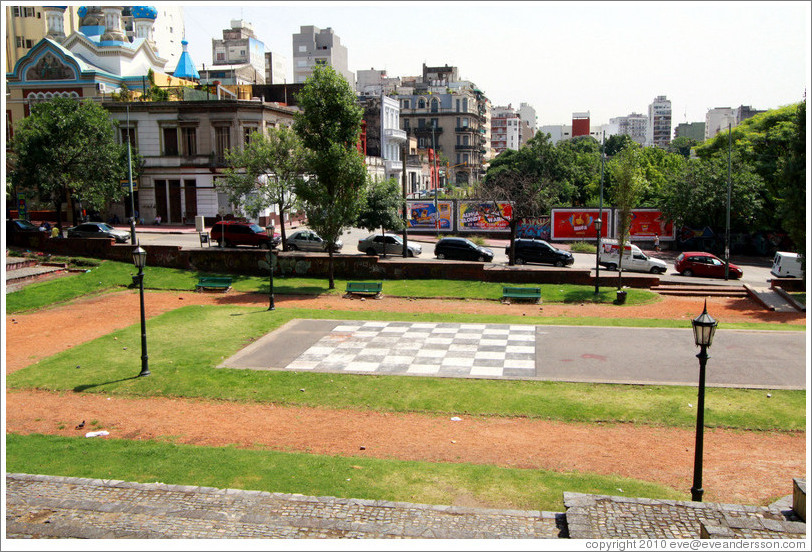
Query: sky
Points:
[608, 58]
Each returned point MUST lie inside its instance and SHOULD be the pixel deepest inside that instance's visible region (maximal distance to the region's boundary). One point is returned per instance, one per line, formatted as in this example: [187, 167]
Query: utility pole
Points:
[130, 174]
[405, 206]
[727, 218]
[435, 179]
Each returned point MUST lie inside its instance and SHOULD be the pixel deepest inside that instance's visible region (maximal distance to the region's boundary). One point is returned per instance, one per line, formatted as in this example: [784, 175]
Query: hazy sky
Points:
[608, 58]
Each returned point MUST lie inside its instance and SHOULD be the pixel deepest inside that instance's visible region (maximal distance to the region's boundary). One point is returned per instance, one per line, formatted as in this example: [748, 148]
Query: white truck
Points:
[787, 265]
[634, 259]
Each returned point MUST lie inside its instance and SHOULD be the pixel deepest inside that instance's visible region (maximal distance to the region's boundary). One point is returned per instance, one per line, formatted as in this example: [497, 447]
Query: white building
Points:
[374, 82]
[634, 125]
[557, 132]
[505, 129]
[658, 132]
[276, 68]
[240, 47]
[528, 115]
[313, 46]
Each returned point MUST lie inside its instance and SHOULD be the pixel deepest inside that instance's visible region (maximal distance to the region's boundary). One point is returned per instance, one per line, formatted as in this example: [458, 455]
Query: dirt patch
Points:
[740, 467]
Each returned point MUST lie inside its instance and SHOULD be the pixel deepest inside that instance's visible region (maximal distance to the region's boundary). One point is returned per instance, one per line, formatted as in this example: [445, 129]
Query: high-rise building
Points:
[505, 129]
[720, 119]
[658, 132]
[634, 125]
[240, 47]
[528, 115]
[313, 46]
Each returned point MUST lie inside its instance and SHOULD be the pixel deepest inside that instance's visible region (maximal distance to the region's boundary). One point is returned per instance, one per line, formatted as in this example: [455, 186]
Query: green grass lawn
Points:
[312, 474]
[111, 275]
[186, 345]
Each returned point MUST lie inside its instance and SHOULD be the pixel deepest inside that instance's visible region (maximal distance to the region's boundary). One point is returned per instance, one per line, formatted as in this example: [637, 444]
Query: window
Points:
[458, 104]
[321, 61]
[421, 142]
[246, 133]
[434, 105]
[421, 123]
[128, 135]
[421, 104]
[19, 42]
[170, 141]
[222, 142]
[406, 124]
[465, 104]
[302, 48]
[188, 137]
[465, 122]
[221, 56]
[435, 123]
[28, 12]
[29, 43]
[406, 104]
[15, 11]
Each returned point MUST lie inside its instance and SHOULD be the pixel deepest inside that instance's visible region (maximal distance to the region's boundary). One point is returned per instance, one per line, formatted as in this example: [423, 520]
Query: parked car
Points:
[233, 233]
[20, 226]
[307, 240]
[374, 245]
[699, 263]
[462, 249]
[539, 251]
[634, 259]
[98, 230]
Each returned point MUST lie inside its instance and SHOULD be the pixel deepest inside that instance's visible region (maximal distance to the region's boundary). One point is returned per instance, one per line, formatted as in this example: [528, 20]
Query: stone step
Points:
[799, 498]
[700, 291]
[16, 263]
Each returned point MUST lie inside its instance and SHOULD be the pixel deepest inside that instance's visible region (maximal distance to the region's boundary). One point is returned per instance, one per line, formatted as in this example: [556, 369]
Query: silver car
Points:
[307, 240]
[98, 230]
[374, 245]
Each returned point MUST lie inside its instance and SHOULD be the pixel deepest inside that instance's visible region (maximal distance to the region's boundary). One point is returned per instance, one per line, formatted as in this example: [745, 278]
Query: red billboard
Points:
[577, 224]
[646, 223]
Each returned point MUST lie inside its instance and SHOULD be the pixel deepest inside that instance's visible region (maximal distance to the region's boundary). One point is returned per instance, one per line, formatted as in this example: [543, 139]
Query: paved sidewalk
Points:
[40, 506]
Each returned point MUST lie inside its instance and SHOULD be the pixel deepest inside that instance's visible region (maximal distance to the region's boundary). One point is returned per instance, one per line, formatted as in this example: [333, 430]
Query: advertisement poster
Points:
[646, 223]
[534, 228]
[577, 224]
[422, 215]
[481, 217]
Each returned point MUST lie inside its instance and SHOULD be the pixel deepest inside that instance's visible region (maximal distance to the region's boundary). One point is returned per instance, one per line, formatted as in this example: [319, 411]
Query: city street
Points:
[756, 270]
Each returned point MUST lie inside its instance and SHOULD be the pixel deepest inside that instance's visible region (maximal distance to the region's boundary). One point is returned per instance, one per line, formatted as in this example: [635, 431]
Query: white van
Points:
[787, 265]
[634, 260]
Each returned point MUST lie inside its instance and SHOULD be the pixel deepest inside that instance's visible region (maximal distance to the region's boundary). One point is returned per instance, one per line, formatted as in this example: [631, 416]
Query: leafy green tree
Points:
[626, 191]
[682, 145]
[790, 183]
[266, 172]
[581, 161]
[617, 143]
[381, 207]
[67, 149]
[696, 195]
[329, 127]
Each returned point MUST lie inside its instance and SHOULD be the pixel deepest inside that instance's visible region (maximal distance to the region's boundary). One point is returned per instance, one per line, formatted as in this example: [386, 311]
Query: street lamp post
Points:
[140, 260]
[704, 327]
[130, 174]
[598, 224]
[271, 305]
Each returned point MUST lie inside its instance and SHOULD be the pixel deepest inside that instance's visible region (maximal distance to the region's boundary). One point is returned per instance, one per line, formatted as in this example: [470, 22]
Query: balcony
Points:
[426, 131]
[393, 166]
[394, 134]
[468, 147]
[465, 129]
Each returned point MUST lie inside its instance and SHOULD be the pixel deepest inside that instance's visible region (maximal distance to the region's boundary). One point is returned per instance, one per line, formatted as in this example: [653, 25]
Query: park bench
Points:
[364, 288]
[213, 282]
[509, 293]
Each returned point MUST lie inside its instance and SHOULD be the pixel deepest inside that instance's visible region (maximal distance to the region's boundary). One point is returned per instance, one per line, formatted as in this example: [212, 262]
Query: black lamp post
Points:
[704, 328]
[598, 224]
[140, 260]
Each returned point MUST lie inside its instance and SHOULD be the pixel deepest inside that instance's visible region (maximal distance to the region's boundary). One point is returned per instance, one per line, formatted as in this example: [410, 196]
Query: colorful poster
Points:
[484, 217]
[423, 215]
[538, 228]
[646, 223]
[577, 224]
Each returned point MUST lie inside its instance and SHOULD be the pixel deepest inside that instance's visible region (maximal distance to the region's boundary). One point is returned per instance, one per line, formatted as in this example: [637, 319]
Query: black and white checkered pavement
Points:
[432, 349]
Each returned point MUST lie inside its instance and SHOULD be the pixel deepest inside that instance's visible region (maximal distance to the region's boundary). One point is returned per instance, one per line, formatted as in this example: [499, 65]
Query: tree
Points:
[266, 172]
[381, 207]
[791, 183]
[682, 145]
[67, 149]
[329, 127]
[628, 185]
[696, 195]
[617, 143]
[581, 159]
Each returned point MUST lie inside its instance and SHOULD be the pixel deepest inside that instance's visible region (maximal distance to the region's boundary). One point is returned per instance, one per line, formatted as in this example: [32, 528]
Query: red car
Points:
[698, 263]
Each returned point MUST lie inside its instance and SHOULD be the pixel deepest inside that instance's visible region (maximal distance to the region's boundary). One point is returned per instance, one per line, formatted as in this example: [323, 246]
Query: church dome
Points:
[144, 12]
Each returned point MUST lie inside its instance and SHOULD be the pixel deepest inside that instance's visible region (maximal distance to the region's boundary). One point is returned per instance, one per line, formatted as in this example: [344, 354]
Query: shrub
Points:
[583, 247]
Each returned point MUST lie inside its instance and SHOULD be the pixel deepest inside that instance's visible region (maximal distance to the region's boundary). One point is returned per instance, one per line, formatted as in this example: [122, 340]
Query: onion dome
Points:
[144, 12]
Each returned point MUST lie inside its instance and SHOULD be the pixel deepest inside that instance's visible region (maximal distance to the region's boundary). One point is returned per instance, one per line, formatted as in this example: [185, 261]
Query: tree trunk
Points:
[58, 205]
[383, 237]
[332, 283]
[512, 256]
[282, 226]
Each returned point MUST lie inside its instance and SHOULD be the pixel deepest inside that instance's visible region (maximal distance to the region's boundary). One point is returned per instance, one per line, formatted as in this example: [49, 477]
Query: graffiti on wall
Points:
[538, 228]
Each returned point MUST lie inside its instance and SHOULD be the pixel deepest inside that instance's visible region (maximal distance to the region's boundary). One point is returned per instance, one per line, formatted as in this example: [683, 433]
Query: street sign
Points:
[125, 184]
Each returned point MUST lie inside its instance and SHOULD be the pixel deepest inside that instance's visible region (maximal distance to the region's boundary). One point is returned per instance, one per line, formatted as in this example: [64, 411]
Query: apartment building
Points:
[658, 132]
[633, 125]
[451, 116]
[694, 131]
[313, 46]
[276, 68]
[580, 124]
[239, 49]
[183, 146]
[720, 119]
[374, 82]
[384, 137]
[505, 129]
[528, 115]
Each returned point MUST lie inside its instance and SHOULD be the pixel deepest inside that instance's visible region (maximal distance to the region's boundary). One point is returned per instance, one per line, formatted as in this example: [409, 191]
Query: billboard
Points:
[475, 216]
[647, 222]
[577, 224]
[423, 215]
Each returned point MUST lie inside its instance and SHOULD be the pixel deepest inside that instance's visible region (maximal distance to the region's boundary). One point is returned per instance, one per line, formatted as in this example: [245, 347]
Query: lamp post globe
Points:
[704, 327]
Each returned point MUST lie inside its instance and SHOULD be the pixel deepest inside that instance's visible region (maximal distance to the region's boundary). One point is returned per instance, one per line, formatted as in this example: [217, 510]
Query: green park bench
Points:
[533, 293]
[213, 282]
[364, 288]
